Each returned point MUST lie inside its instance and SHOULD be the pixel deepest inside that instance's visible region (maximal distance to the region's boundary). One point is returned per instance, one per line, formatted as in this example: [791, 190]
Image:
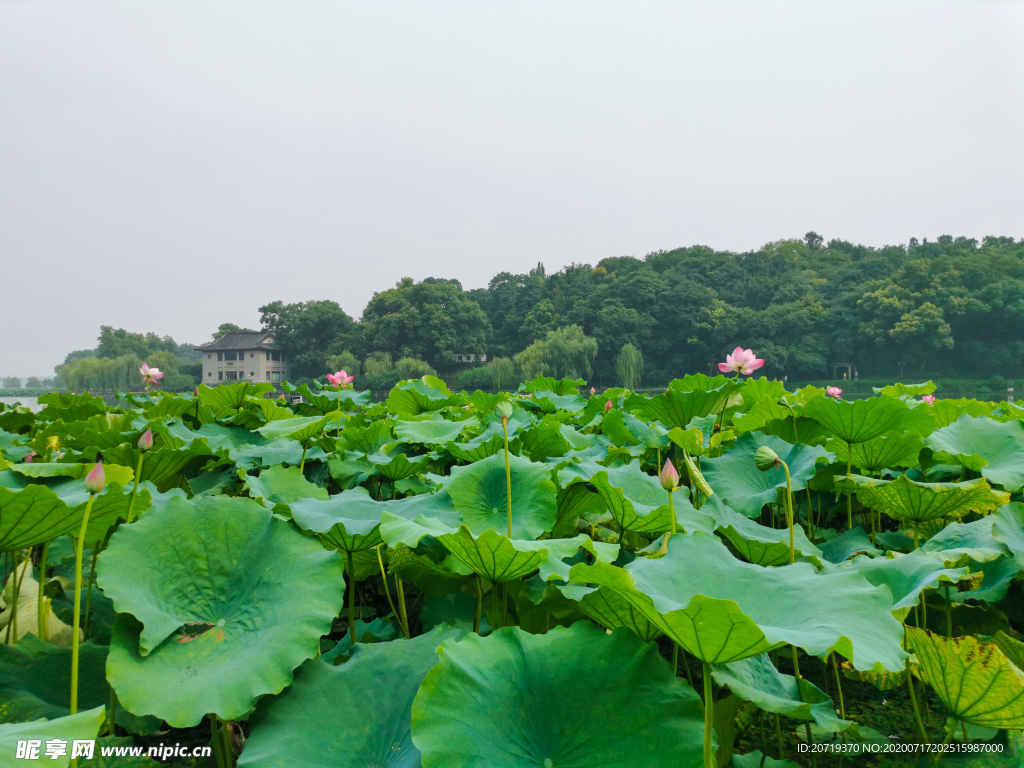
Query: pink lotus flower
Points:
[669, 477]
[741, 361]
[592, 390]
[835, 392]
[928, 399]
[151, 375]
[608, 406]
[146, 441]
[340, 379]
[95, 480]
[31, 455]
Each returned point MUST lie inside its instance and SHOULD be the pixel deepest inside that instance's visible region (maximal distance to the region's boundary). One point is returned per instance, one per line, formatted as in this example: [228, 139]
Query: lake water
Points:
[28, 402]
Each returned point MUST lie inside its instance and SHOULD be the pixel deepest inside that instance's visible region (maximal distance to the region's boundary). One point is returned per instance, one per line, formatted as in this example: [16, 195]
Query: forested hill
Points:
[951, 308]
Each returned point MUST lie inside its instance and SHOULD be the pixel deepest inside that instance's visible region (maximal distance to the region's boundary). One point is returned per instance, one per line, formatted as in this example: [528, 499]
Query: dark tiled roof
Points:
[239, 341]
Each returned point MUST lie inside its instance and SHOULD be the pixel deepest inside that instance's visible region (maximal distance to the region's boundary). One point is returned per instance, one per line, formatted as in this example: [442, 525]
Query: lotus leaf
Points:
[857, 421]
[995, 449]
[476, 449]
[958, 542]
[397, 466]
[878, 453]
[744, 487]
[677, 408]
[852, 542]
[302, 429]
[82, 726]
[625, 429]
[898, 390]
[1008, 529]
[218, 602]
[283, 485]
[551, 402]
[756, 679]
[757, 543]
[417, 396]
[757, 759]
[575, 502]
[542, 441]
[976, 683]
[431, 432]
[480, 493]
[571, 698]
[1012, 649]
[609, 609]
[721, 609]
[995, 578]
[232, 396]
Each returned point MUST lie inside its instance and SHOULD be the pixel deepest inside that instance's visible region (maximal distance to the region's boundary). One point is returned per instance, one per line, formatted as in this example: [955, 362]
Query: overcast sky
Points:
[170, 166]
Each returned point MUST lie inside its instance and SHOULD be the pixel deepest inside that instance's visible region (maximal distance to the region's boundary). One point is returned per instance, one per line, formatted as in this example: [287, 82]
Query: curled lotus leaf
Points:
[736, 478]
[1012, 649]
[847, 544]
[609, 609]
[721, 609]
[357, 713]
[1008, 529]
[417, 396]
[989, 581]
[397, 466]
[959, 543]
[878, 453]
[431, 431]
[82, 726]
[975, 682]
[626, 429]
[572, 697]
[996, 449]
[756, 679]
[480, 493]
[857, 421]
[218, 601]
[677, 408]
[757, 543]
[882, 679]
[282, 485]
[303, 429]
[907, 500]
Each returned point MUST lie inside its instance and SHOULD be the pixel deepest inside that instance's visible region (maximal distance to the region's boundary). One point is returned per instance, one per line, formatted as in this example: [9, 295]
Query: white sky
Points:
[170, 166]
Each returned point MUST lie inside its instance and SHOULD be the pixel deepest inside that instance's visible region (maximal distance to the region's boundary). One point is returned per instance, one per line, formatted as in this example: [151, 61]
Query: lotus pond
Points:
[723, 574]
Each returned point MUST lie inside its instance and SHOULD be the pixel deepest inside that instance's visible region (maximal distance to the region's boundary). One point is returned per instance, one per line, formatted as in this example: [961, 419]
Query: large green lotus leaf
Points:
[849, 543]
[164, 467]
[878, 453]
[232, 396]
[745, 488]
[431, 432]
[635, 499]
[477, 449]
[492, 555]
[302, 429]
[857, 421]
[898, 389]
[82, 727]
[39, 513]
[904, 499]
[976, 683]
[70, 406]
[397, 466]
[432, 577]
[996, 577]
[416, 396]
[945, 412]
[571, 698]
[35, 682]
[906, 576]
[224, 601]
[625, 429]
[350, 520]
[574, 502]
[564, 386]
[758, 543]
[760, 413]
[996, 449]
[283, 485]
[550, 402]
[677, 408]
[327, 399]
[542, 441]
[1008, 529]
[355, 714]
[763, 388]
[480, 493]
[609, 609]
[722, 609]
[113, 473]
[1011, 648]
[757, 680]
[975, 541]
[700, 439]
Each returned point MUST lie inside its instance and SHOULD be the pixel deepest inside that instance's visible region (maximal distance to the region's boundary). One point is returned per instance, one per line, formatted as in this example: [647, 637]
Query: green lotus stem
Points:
[672, 510]
[352, 597]
[79, 547]
[949, 612]
[401, 605]
[686, 666]
[849, 496]
[479, 605]
[796, 674]
[302, 464]
[229, 753]
[778, 734]
[810, 516]
[913, 697]
[135, 486]
[112, 713]
[789, 512]
[709, 717]
[839, 686]
[383, 575]
[508, 477]
[950, 731]
[19, 576]
[42, 606]
[88, 591]
[216, 742]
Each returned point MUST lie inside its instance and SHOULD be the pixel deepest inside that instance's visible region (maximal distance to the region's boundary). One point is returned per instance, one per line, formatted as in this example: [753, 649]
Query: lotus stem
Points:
[229, 753]
[963, 729]
[950, 731]
[709, 717]
[135, 486]
[479, 605]
[778, 735]
[508, 477]
[810, 516]
[19, 576]
[913, 696]
[383, 575]
[42, 605]
[401, 604]
[849, 496]
[671, 509]
[799, 679]
[302, 464]
[789, 513]
[76, 622]
[112, 713]
[351, 597]
[839, 686]
[949, 612]
[88, 591]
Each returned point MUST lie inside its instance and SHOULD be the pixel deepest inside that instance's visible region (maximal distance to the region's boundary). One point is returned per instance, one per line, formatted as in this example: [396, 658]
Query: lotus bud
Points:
[608, 406]
[95, 480]
[146, 441]
[669, 477]
[592, 390]
[31, 455]
[765, 458]
[504, 409]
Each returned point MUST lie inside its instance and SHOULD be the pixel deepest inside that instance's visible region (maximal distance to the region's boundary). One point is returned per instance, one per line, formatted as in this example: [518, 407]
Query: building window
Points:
[220, 375]
[268, 375]
[251, 374]
[231, 375]
[220, 355]
[210, 356]
[275, 356]
[251, 355]
[268, 355]
[277, 376]
[209, 373]
[231, 355]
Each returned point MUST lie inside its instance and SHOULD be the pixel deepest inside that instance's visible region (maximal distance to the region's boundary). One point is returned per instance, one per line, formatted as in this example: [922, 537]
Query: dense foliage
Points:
[719, 572]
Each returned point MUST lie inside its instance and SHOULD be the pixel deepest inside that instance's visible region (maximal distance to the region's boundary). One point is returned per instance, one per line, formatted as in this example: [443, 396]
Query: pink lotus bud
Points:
[669, 477]
[928, 399]
[95, 480]
[835, 392]
[592, 390]
[608, 406]
[29, 457]
[146, 441]
[741, 361]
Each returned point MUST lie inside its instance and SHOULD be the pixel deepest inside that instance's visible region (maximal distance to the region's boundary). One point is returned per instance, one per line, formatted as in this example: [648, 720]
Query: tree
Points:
[225, 328]
[346, 361]
[629, 364]
[411, 368]
[923, 330]
[563, 352]
[503, 373]
[11, 382]
[308, 332]
[34, 382]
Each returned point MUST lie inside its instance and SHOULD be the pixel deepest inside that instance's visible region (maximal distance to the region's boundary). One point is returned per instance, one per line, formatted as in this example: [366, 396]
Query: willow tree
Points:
[503, 373]
[629, 365]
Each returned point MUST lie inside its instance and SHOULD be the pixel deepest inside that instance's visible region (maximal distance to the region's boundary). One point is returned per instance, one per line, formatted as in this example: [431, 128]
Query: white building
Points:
[243, 357]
